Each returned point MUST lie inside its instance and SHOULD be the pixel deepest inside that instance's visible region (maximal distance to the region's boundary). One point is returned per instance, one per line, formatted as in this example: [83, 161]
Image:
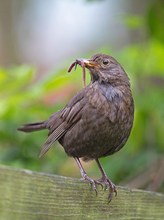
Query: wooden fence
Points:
[25, 194]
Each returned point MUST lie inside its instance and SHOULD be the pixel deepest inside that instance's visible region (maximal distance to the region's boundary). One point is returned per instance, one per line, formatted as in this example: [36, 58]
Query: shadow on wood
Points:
[30, 195]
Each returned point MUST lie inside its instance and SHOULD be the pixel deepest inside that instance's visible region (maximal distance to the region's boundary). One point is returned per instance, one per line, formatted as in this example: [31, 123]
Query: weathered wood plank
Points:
[30, 195]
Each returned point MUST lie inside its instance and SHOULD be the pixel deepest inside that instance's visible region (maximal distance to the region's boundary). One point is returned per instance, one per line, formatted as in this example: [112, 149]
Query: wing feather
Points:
[60, 122]
[54, 136]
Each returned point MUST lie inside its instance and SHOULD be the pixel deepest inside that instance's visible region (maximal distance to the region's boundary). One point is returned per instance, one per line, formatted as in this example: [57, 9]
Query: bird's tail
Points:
[33, 127]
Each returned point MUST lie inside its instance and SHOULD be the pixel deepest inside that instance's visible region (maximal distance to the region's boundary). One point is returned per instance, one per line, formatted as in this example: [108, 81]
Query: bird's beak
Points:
[88, 63]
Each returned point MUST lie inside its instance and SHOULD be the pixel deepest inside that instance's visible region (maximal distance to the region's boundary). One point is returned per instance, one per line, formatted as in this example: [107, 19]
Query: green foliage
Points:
[133, 21]
[155, 18]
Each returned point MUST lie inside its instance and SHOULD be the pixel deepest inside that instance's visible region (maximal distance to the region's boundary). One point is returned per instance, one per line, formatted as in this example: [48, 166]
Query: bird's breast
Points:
[113, 102]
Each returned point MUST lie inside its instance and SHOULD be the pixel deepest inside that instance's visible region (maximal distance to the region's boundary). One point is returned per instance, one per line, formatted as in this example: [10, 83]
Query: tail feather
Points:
[33, 127]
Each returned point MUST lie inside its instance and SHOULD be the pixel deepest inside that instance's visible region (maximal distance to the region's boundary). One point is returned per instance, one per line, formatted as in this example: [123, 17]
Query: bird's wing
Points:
[60, 122]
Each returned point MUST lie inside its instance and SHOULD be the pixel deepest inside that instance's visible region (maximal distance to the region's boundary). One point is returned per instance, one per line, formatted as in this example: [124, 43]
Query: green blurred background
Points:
[34, 81]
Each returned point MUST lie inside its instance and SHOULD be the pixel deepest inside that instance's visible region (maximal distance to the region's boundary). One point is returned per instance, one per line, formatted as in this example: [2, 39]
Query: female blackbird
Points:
[97, 121]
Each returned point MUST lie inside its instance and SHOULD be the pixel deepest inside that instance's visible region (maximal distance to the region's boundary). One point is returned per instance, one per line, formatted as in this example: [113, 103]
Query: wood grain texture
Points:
[38, 196]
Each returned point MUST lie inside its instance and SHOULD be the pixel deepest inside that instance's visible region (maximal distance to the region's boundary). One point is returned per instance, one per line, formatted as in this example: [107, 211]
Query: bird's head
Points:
[104, 69]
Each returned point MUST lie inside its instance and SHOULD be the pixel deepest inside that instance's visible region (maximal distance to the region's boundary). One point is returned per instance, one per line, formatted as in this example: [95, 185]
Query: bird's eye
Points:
[105, 62]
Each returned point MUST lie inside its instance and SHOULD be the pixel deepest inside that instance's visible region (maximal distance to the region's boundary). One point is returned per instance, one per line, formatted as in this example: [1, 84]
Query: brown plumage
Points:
[97, 121]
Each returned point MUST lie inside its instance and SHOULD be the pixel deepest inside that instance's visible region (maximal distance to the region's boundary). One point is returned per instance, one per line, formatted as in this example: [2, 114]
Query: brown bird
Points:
[97, 121]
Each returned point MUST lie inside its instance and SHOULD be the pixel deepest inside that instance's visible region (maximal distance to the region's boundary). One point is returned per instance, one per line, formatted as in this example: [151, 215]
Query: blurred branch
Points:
[151, 179]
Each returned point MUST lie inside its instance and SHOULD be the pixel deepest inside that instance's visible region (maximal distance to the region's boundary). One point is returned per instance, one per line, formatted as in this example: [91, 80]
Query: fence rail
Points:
[25, 194]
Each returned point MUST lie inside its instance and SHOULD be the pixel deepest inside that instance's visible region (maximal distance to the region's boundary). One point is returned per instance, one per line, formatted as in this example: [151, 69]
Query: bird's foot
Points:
[92, 182]
[107, 184]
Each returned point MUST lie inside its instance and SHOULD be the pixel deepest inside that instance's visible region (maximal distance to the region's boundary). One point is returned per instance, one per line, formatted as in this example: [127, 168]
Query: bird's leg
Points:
[86, 177]
[106, 181]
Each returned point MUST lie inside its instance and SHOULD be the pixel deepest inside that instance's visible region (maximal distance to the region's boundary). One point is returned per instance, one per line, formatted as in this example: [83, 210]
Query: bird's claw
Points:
[93, 183]
[107, 184]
